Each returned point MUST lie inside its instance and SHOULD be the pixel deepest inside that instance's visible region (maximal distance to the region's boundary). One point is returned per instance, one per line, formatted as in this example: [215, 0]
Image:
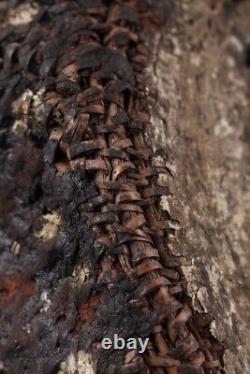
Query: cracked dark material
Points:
[79, 153]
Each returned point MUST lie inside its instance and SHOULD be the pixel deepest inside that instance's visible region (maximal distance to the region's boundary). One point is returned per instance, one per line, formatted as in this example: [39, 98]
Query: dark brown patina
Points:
[98, 172]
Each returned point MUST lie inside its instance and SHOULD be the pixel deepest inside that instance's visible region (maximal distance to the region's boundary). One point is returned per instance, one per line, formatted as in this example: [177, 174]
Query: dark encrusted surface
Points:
[78, 155]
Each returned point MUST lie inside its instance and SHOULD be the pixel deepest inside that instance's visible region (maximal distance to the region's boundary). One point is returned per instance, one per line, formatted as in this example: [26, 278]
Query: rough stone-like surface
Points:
[200, 79]
[83, 251]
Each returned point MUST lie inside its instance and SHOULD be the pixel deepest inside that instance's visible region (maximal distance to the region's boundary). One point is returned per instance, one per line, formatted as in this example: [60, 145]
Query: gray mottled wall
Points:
[198, 84]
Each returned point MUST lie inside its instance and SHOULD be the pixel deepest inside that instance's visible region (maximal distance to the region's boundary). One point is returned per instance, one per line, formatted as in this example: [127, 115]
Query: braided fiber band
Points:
[86, 65]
